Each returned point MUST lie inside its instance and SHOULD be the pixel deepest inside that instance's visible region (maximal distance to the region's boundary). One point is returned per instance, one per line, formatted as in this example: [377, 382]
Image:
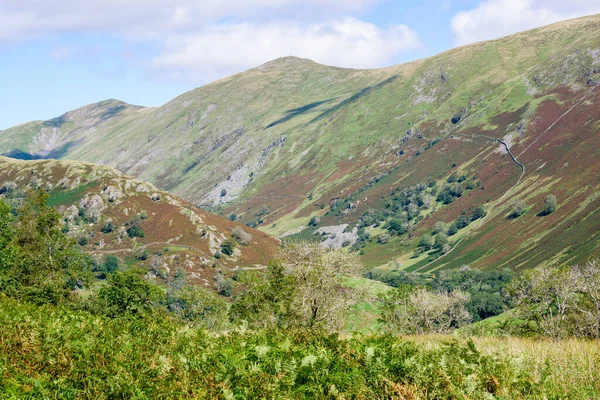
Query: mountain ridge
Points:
[298, 140]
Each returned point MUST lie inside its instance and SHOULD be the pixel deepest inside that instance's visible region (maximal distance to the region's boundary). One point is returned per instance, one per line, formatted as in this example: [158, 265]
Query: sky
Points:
[58, 55]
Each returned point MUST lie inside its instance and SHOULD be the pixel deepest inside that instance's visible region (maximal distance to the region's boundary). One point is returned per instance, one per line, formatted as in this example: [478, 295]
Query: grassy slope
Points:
[191, 235]
[343, 127]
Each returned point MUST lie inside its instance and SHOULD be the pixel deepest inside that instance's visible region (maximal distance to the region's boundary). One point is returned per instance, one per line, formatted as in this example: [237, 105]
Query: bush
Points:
[314, 221]
[228, 247]
[111, 264]
[519, 207]
[135, 231]
[384, 238]
[244, 238]
[478, 213]
[127, 294]
[550, 204]
[108, 227]
[426, 242]
[82, 241]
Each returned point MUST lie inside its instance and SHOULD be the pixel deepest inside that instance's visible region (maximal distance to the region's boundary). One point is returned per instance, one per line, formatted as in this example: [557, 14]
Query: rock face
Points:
[93, 206]
[337, 236]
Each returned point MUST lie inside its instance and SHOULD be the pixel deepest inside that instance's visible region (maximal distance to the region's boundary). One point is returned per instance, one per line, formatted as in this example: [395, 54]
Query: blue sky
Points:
[57, 55]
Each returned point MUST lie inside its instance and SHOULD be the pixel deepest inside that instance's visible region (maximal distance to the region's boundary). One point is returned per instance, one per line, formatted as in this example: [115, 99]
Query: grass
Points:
[55, 352]
[59, 198]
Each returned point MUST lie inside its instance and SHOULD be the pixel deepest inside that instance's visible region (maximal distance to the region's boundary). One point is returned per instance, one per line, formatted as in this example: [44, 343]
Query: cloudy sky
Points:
[57, 55]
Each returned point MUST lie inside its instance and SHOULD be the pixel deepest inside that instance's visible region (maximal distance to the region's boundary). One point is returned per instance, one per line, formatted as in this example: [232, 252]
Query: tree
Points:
[108, 227]
[478, 213]
[198, 306]
[452, 229]
[127, 294]
[384, 238]
[550, 205]
[302, 289]
[228, 247]
[111, 264]
[426, 242]
[519, 207]
[441, 240]
[40, 262]
[560, 301]
[135, 231]
[314, 221]
[319, 300]
[420, 311]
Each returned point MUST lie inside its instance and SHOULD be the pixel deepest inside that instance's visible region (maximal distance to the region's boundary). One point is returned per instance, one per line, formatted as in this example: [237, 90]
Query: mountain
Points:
[379, 159]
[109, 212]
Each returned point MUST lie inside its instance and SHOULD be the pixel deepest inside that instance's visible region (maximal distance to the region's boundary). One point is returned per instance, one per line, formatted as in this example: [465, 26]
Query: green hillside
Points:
[379, 157]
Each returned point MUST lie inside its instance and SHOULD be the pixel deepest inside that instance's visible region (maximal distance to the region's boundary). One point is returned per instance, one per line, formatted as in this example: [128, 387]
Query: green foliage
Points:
[426, 242]
[228, 247]
[75, 355]
[127, 294]
[39, 262]
[485, 288]
[110, 265]
[135, 231]
[478, 213]
[198, 306]
[108, 227]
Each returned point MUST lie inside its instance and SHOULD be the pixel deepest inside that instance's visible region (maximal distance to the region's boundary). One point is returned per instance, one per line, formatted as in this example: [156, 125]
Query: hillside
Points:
[112, 213]
[378, 157]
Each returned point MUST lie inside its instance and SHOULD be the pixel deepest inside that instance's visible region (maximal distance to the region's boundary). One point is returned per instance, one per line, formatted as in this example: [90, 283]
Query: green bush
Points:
[135, 231]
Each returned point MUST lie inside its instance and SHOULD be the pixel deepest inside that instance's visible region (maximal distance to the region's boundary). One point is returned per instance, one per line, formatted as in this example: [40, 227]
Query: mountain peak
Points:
[289, 62]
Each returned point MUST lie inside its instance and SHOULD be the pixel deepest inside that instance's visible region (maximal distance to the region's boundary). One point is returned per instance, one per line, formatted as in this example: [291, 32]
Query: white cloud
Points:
[24, 18]
[202, 40]
[225, 49]
[496, 18]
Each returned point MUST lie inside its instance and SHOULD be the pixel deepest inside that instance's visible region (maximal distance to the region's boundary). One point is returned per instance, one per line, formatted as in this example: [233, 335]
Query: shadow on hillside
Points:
[297, 111]
[354, 97]
[56, 153]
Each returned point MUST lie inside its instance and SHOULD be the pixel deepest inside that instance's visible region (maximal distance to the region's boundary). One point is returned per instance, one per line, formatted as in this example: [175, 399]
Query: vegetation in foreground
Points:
[279, 339]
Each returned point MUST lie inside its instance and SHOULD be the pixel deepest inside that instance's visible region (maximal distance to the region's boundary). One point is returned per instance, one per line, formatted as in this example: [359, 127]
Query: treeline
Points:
[548, 301]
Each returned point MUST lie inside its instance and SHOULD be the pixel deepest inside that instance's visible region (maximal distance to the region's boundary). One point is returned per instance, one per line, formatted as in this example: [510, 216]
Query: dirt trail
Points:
[178, 245]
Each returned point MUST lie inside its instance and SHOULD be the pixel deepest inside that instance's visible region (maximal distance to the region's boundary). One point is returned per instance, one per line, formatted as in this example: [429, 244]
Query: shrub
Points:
[426, 242]
[314, 221]
[550, 204]
[519, 207]
[108, 227]
[111, 264]
[82, 241]
[135, 231]
[478, 213]
[384, 238]
[127, 294]
[244, 238]
[228, 247]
